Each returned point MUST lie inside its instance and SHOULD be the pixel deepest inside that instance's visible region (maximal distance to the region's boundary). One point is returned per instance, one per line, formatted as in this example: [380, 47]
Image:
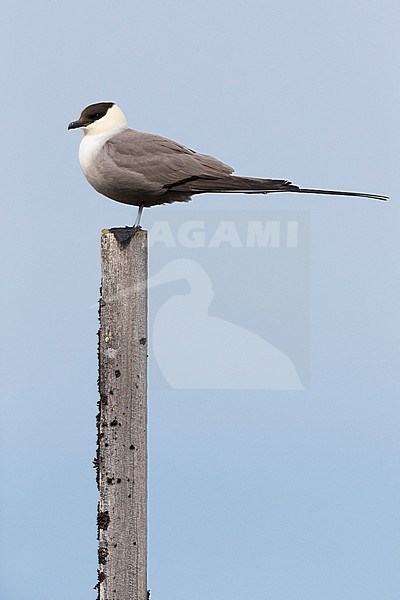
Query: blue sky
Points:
[284, 495]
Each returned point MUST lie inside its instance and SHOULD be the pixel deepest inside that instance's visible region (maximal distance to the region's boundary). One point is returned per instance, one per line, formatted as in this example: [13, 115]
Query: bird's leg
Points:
[123, 234]
[138, 217]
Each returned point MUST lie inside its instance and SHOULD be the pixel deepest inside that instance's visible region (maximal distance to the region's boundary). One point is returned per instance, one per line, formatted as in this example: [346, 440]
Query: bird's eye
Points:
[95, 116]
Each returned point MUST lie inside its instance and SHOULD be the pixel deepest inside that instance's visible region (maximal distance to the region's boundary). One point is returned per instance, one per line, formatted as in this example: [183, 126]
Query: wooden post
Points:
[122, 420]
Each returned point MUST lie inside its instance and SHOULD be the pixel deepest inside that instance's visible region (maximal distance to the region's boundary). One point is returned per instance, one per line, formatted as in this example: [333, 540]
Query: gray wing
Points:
[145, 169]
[158, 162]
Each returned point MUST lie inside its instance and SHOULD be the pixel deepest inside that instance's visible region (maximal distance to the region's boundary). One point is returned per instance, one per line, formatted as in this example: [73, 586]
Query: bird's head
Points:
[100, 118]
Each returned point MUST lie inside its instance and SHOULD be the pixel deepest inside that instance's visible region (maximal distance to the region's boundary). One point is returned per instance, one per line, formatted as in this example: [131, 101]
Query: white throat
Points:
[96, 134]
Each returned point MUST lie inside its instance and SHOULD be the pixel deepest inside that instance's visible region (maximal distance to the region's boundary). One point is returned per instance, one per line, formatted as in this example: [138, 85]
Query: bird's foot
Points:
[123, 234]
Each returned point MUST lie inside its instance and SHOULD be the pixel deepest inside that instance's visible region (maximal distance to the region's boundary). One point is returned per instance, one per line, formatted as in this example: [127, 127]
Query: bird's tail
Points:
[251, 185]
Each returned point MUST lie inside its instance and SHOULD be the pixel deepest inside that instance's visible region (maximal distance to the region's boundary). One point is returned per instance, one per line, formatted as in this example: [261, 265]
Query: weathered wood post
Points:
[122, 420]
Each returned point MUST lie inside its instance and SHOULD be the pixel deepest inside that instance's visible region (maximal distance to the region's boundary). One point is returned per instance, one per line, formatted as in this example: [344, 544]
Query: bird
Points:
[145, 170]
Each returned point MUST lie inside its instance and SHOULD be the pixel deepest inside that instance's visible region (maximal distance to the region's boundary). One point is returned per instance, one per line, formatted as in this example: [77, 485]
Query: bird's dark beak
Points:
[75, 125]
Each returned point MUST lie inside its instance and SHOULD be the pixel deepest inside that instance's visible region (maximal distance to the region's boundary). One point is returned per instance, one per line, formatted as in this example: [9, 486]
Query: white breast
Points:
[89, 148]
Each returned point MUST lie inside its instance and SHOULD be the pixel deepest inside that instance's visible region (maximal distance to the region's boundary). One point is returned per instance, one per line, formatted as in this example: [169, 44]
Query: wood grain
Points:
[122, 420]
